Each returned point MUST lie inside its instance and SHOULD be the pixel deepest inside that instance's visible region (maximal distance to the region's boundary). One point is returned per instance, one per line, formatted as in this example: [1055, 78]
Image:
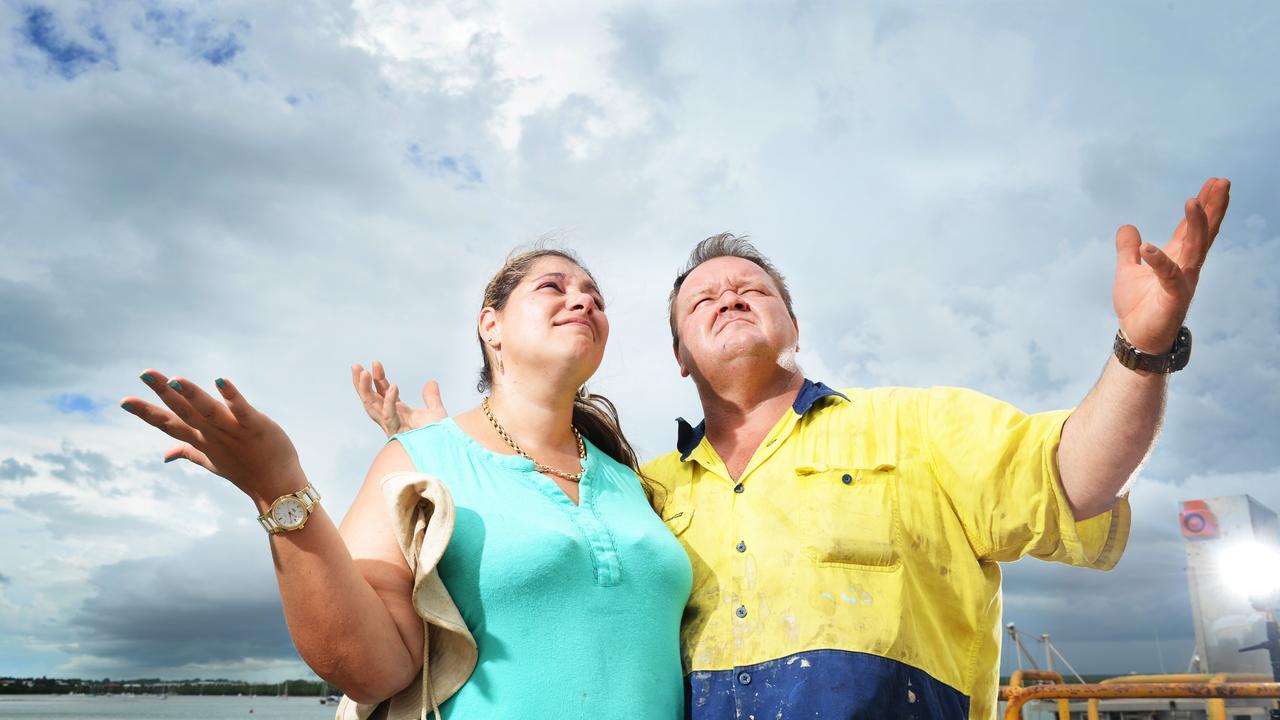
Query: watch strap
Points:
[1162, 364]
[308, 496]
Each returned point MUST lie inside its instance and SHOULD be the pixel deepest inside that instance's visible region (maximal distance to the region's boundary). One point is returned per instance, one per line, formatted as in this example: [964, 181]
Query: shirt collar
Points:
[689, 437]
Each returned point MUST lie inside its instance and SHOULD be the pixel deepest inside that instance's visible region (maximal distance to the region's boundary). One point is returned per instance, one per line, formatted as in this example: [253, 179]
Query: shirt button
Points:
[847, 479]
[744, 678]
[742, 547]
[738, 488]
[742, 611]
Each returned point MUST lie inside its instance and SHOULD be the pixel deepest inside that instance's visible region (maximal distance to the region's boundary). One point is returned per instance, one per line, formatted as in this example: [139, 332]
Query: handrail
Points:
[1188, 678]
[1042, 676]
[1015, 680]
[1017, 697]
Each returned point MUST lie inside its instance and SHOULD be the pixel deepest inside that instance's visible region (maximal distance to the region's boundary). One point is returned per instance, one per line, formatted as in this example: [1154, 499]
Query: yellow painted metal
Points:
[1016, 697]
[1019, 677]
[1188, 678]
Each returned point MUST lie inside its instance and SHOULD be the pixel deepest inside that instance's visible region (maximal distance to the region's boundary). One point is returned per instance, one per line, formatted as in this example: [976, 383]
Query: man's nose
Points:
[732, 301]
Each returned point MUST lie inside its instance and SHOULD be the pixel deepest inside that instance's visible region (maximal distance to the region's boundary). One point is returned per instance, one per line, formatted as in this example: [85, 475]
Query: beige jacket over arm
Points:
[422, 517]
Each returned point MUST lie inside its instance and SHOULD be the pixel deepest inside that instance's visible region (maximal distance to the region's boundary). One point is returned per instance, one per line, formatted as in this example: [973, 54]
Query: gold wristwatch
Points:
[290, 512]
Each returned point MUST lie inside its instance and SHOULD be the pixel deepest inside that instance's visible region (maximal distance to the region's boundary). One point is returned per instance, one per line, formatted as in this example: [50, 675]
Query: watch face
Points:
[289, 512]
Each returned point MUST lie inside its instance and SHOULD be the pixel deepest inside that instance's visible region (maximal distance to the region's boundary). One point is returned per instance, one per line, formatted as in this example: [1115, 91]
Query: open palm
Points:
[1154, 287]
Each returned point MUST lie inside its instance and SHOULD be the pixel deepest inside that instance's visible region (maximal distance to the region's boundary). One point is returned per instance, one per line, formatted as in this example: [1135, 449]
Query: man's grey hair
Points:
[724, 245]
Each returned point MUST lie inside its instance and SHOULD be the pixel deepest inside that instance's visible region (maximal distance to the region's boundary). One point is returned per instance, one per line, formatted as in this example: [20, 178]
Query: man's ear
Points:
[796, 324]
[675, 350]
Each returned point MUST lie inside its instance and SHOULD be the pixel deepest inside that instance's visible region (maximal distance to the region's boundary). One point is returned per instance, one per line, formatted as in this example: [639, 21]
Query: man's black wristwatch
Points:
[1170, 362]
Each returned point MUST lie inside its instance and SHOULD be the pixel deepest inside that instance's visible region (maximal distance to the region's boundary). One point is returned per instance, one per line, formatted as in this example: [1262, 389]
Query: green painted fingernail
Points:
[126, 406]
[175, 385]
[222, 384]
[148, 378]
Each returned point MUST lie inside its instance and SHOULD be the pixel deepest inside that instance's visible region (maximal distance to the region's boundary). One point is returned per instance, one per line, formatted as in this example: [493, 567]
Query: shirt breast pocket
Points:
[853, 516]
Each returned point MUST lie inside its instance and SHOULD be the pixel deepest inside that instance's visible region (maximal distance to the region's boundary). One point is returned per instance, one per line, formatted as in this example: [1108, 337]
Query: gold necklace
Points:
[547, 469]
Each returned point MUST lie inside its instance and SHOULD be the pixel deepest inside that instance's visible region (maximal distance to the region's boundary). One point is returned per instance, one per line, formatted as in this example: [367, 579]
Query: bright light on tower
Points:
[1252, 569]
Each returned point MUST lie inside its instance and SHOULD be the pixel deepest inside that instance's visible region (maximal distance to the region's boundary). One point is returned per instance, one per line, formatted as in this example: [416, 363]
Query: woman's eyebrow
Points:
[562, 278]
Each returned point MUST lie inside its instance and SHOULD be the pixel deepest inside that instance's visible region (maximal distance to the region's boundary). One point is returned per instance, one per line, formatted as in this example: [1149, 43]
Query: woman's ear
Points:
[488, 328]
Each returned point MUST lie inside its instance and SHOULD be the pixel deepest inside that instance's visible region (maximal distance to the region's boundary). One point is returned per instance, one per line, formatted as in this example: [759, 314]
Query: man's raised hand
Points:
[1154, 287]
[381, 401]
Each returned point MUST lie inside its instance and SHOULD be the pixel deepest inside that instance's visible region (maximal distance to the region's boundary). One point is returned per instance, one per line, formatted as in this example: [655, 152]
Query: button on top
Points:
[738, 488]
[742, 611]
[744, 678]
[847, 479]
[742, 547]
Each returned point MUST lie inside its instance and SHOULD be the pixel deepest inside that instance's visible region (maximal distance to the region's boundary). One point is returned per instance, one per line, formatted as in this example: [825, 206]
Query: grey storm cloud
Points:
[214, 605]
[11, 469]
[64, 517]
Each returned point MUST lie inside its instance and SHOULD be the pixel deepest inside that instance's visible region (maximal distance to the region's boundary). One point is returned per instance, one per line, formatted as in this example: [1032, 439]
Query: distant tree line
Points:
[156, 686]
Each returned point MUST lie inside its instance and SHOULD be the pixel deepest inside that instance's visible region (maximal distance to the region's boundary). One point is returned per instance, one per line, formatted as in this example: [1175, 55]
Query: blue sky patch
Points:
[66, 57]
[208, 40]
[457, 167]
[71, 403]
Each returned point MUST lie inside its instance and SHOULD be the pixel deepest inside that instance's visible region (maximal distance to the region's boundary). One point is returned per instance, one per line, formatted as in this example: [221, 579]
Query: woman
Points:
[571, 586]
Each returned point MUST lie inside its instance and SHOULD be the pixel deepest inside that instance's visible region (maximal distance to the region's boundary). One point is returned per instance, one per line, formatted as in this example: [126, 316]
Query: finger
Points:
[214, 413]
[357, 371]
[1195, 246]
[172, 399]
[1165, 269]
[380, 378]
[389, 404]
[184, 451]
[369, 395]
[161, 419]
[431, 397]
[236, 402]
[1215, 206]
[1127, 243]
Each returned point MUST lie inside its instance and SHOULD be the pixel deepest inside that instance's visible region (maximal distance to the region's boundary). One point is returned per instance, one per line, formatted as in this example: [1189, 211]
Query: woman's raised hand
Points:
[381, 401]
[230, 439]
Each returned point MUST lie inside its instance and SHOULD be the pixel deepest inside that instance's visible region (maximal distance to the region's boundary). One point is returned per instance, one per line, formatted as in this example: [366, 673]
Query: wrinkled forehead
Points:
[719, 273]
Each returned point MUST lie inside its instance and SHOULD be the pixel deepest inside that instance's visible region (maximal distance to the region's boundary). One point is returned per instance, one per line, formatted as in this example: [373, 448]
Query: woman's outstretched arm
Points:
[346, 596]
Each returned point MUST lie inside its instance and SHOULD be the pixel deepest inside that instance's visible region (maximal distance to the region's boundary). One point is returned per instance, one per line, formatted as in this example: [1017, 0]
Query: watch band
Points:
[308, 497]
[1170, 362]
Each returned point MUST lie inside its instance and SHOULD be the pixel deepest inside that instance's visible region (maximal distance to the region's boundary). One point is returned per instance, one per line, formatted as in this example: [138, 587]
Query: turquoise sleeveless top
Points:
[575, 608]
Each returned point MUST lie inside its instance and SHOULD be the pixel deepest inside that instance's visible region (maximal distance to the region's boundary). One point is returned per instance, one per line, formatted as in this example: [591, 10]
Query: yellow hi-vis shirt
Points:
[853, 571]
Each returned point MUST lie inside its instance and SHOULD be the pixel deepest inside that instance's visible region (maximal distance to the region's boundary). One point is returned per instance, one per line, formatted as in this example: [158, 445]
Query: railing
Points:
[1214, 688]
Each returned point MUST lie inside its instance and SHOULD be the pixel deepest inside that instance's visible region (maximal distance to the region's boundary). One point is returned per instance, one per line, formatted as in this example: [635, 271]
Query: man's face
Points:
[730, 310]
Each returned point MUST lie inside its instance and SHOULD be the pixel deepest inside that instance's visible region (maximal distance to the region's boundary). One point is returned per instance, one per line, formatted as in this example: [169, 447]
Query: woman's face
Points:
[554, 318]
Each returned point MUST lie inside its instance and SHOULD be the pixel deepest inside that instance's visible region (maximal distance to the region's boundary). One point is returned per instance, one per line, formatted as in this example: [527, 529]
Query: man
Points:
[846, 544]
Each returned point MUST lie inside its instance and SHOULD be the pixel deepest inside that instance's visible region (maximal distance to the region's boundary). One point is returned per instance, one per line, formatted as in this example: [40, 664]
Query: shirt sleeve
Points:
[998, 467]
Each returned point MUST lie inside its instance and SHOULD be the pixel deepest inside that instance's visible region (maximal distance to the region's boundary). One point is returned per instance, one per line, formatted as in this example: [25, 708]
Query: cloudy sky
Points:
[272, 191]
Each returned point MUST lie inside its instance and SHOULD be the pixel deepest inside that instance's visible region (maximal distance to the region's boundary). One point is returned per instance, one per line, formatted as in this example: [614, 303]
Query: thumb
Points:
[1128, 242]
[431, 396]
[184, 451]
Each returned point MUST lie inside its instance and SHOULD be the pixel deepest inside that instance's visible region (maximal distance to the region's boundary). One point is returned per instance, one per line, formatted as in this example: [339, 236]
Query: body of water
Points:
[153, 707]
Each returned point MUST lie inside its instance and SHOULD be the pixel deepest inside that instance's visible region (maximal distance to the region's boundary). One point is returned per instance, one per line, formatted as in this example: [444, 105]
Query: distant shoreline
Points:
[156, 686]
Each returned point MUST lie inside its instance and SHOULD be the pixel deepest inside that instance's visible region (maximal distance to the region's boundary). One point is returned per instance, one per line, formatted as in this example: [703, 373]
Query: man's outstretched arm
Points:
[1111, 433]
